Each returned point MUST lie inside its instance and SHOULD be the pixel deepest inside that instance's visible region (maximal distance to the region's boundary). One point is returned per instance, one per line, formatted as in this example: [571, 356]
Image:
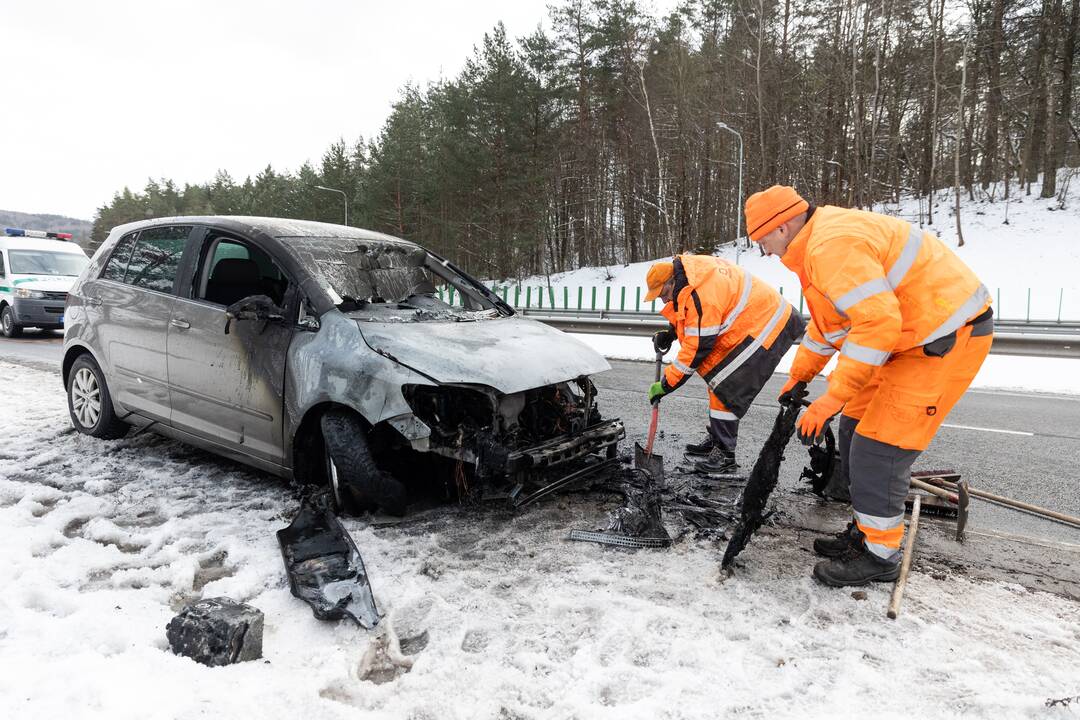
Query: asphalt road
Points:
[1022, 445]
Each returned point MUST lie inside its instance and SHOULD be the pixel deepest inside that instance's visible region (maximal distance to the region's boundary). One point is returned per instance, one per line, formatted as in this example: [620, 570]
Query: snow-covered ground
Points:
[1038, 251]
[101, 543]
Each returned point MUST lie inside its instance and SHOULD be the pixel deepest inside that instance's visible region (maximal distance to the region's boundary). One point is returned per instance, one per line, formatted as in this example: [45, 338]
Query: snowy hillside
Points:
[1038, 250]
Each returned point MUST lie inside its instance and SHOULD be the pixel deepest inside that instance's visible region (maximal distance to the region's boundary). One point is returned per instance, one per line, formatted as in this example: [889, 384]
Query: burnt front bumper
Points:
[565, 448]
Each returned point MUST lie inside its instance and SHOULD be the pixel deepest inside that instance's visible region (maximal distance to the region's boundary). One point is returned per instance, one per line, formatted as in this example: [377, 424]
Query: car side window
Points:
[117, 264]
[232, 270]
[156, 257]
[2, 271]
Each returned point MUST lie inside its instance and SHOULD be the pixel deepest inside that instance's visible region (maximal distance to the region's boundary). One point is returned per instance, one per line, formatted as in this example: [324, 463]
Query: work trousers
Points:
[888, 424]
[723, 424]
[737, 378]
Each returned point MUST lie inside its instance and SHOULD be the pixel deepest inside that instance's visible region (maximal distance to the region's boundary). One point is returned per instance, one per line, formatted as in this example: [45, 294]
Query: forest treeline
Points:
[613, 136]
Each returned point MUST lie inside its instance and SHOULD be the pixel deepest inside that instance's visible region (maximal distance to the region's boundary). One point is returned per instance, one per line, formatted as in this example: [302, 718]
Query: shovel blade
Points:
[651, 464]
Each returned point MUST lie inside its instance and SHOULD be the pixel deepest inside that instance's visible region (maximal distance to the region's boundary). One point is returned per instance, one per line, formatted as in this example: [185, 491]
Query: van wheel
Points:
[356, 483]
[89, 403]
[7, 323]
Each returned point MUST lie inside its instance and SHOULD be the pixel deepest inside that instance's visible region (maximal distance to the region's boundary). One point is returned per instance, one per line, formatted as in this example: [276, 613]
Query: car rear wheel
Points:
[89, 403]
[10, 328]
[356, 483]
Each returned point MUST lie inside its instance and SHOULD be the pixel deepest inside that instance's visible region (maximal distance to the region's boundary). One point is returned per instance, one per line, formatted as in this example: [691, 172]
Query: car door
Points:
[130, 304]
[228, 387]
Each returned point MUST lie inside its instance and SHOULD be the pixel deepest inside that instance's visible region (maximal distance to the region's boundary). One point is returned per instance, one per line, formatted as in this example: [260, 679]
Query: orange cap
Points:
[659, 274]
[771, 208]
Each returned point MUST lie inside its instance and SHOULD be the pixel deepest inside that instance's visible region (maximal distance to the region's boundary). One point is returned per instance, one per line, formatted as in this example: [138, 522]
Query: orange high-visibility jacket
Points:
[876, 285]
[716, 308]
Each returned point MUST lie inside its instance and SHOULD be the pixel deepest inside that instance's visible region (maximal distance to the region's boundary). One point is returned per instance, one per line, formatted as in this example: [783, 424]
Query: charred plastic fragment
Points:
[217, 631]
[324, 567]
[761, 482]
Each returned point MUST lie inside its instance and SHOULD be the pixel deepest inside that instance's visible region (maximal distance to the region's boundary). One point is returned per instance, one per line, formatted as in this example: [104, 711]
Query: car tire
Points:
[10, 328]
[356, 483]
[89, 402]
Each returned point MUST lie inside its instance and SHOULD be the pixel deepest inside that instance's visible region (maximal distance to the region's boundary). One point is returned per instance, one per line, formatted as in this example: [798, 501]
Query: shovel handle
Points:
[653, 422]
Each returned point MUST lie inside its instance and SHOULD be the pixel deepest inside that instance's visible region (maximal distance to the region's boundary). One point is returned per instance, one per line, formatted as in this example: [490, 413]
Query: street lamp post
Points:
[343, 197]
[738, 210]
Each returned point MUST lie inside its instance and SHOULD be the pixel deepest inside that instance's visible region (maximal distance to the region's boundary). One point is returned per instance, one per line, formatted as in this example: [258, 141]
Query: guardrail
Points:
[1039, 305]
[1011, 337]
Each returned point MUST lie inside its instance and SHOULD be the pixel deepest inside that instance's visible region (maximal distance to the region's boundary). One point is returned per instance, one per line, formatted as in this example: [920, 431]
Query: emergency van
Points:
[37, 269]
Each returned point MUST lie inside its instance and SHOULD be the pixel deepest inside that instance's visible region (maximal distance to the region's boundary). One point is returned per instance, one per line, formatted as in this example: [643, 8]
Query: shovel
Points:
[644, 459]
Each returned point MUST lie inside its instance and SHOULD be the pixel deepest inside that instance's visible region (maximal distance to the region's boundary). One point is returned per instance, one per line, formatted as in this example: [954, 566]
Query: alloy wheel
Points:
[86, 397]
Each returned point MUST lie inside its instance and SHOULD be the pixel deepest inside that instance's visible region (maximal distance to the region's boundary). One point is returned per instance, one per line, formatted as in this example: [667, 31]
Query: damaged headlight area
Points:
[502, 435]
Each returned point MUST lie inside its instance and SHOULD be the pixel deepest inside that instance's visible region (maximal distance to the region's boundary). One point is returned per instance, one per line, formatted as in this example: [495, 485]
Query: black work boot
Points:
[719, 462]
[857, 566]
[832, 547]
[702, 448]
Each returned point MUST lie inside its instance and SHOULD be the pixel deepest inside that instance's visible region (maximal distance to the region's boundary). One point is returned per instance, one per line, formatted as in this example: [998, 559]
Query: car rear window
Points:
[148, 259]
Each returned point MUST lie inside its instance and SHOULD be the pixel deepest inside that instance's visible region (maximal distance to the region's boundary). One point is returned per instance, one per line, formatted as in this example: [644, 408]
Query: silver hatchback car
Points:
[326, 354]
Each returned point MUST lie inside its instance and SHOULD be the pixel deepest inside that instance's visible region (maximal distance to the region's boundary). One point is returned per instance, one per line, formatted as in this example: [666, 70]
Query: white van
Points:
[36, 271]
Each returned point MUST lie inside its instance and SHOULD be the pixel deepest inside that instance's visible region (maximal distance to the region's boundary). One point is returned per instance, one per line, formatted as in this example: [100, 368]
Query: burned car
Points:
[326, 354]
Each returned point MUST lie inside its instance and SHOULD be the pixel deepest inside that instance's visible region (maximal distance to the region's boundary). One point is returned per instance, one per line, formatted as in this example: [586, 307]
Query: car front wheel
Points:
[89, 403]
[7, 323]
[356, 482]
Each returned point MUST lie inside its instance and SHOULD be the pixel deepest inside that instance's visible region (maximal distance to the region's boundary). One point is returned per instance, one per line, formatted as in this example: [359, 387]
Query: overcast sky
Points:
[99, 94]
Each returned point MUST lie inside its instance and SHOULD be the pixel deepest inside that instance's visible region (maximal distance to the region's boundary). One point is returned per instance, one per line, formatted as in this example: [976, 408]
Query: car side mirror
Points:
[253, 307]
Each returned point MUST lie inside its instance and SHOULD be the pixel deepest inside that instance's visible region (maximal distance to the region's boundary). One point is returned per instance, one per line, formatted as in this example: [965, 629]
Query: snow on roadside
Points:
[1037, 250]
[100, 543]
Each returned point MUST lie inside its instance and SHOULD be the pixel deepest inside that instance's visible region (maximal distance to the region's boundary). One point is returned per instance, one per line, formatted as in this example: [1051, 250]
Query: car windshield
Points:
[392, 280]
[46, 262]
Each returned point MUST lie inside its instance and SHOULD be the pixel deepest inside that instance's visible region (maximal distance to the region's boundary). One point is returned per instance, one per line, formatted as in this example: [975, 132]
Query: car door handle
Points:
[182, 324]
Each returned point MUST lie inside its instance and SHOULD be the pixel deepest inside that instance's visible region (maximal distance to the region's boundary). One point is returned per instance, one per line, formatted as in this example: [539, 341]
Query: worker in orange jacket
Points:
[733, 329]
[912, 325]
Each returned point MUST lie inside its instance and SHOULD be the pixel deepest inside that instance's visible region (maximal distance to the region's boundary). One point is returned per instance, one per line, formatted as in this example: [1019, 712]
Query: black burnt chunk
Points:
[217, 631]
[325, 569]
[761, 482]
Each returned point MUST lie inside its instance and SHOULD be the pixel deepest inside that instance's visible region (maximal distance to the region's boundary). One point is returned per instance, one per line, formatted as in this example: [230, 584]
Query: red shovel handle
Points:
[652, 429]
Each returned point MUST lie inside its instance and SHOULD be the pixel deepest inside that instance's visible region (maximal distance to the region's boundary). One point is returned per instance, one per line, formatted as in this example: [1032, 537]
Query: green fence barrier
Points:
[637, 299]
[607, 298]
[579, 292]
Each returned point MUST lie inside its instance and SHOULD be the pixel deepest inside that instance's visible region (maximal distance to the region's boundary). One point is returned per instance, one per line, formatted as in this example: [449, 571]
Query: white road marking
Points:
[1033, 395]
[993, 430]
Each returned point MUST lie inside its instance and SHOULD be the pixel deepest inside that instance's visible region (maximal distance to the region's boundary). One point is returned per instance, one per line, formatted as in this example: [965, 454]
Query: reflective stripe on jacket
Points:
[875, 285]
[717, 306]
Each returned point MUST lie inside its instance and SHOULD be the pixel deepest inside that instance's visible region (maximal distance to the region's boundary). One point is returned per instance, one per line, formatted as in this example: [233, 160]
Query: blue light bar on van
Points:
[19, 232]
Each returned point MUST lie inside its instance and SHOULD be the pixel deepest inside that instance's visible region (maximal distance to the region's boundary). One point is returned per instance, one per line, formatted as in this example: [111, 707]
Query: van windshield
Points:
[46, 262]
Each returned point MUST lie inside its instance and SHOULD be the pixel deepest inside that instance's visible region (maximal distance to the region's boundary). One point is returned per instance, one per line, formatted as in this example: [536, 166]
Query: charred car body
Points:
[323, 353]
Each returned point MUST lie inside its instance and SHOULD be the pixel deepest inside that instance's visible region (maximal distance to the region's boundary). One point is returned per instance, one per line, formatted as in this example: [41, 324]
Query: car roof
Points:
[24, 243]
[282, 237]
[281, 228]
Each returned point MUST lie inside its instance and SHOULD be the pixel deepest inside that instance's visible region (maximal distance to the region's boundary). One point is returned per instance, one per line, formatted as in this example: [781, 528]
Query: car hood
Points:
[508, 354]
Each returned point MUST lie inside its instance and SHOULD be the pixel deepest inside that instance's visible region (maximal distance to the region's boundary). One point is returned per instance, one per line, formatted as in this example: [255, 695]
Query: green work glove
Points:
[656, 391]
